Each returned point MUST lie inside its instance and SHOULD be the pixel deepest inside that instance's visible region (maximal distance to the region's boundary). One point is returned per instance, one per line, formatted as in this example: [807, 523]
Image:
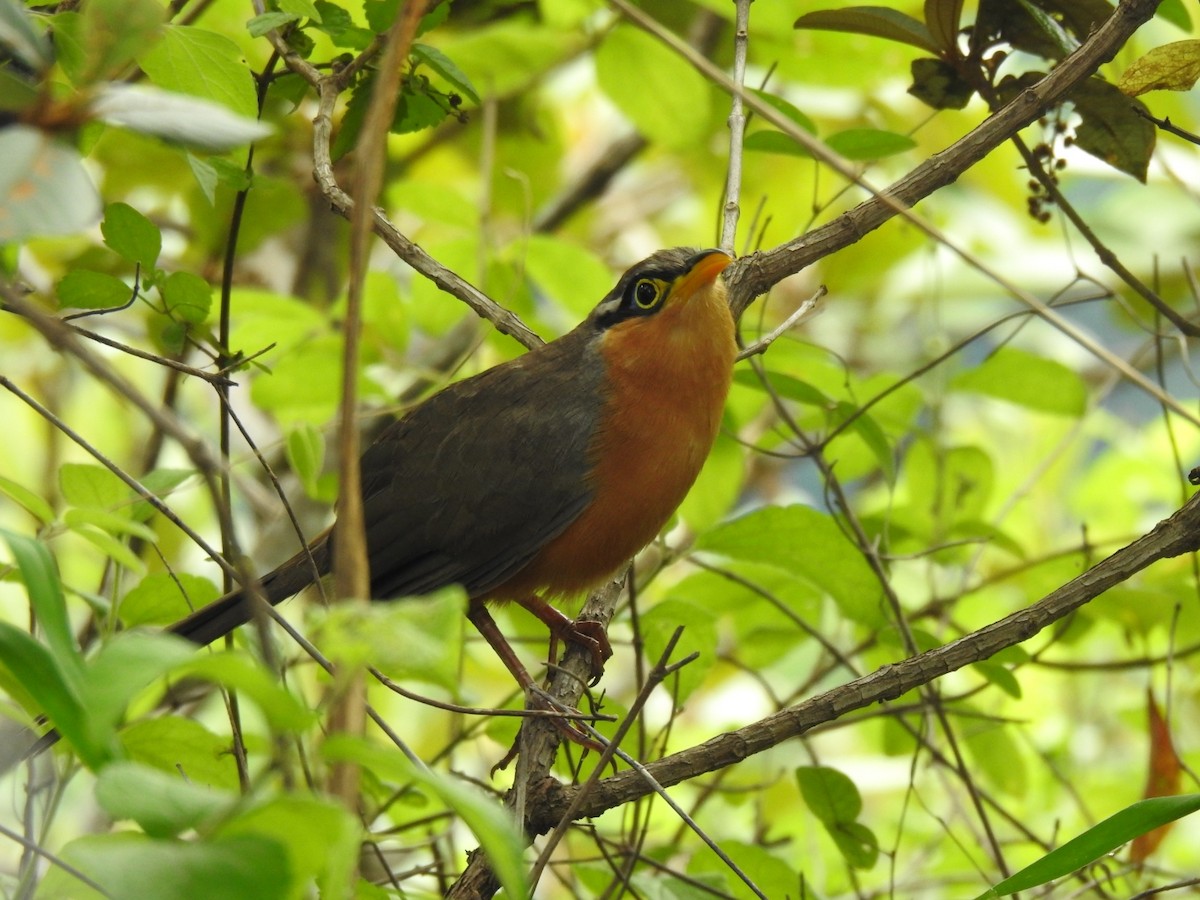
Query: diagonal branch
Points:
[1174, 536]
[755, 274]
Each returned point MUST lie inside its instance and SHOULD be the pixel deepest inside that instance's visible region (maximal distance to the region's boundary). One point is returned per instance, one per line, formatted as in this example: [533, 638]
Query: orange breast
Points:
[667, 379]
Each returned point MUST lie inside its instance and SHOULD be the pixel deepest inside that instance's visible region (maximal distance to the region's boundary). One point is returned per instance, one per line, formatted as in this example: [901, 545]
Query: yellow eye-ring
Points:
[646, 293]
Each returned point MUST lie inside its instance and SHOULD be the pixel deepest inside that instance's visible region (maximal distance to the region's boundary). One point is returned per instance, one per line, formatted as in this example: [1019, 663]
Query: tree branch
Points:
[1174, 536]
[756, 273]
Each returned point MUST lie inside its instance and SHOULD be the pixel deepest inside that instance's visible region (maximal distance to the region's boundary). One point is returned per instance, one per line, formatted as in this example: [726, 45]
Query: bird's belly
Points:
[644, 469]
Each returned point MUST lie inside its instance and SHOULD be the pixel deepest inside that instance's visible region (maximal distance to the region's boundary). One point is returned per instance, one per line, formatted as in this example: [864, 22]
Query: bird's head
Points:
[665, 282]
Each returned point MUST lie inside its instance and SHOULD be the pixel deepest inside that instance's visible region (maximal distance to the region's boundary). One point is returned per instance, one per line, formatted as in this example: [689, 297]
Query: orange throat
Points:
[667, 380]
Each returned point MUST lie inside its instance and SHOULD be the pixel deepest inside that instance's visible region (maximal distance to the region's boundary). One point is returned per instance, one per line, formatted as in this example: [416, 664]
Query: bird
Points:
[540, 478]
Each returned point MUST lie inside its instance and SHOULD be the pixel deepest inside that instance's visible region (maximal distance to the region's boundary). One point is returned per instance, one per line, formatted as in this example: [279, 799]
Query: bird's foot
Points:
[588, 634]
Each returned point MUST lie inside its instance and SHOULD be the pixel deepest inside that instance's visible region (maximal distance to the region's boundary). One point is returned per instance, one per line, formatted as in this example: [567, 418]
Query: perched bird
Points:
[540, 478]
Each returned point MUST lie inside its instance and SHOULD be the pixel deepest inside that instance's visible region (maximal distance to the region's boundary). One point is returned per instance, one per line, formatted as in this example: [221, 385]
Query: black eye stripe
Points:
[637, 295]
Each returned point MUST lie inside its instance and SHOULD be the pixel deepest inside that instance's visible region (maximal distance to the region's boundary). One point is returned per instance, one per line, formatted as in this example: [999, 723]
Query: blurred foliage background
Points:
[987, 456]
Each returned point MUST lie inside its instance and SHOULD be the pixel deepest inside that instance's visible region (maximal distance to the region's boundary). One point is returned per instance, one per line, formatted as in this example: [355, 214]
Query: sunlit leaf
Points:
[664, 97]
[808, 543]
[1171, 67]
[247, 867]
[869, 143]
[163, 805]
[1024, 378]
[1097, 842]
[131, 234]
[446, 68]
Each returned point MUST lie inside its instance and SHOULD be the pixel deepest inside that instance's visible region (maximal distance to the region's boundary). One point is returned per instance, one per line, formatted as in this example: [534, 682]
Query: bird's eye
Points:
[646, 293]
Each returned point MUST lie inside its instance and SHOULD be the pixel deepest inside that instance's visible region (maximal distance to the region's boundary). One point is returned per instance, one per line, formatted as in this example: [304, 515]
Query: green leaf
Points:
[699, 636]
[246, 867]
[1001, 676]
[938, 84]
[862, 144]
[1176, 13]
[834, 799]
[44, 189]
[417, 109]
[1171, 67]
[1028, 380]
[301, 9]
[112, 33]
[667, 100]
[202, 63]
[17, 94]
[492, 827]
[160, 483]
[874, 21]
[445, 67]
[116, 524]
[767, 141]
[321, 838]
[788, 109]
[260, 25]
[717, 487]
[569, 274]
[44, 589]
[89, 485]
[188, 297]
[84, 289]
[306, 455]
[1111, 129]
[807, 543]
[182, 746]
[1098, 841]
[414, 638]
[131, 234]
[35, 505]
[857, 844]
[161, 598]
[787, 386]
[110, 546]
[830, 794]
[121, 669]
[240, 673]
[18, 34]
[336, 22]
[39, 674]
[163, 805]
[872, 435]
[382, 13]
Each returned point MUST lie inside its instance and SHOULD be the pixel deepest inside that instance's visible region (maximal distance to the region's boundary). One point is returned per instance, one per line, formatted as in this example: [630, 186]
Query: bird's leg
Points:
[590, 635]
[486, 626]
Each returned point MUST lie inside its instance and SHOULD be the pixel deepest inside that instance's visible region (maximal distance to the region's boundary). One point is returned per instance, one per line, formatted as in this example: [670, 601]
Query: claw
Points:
[588, 634]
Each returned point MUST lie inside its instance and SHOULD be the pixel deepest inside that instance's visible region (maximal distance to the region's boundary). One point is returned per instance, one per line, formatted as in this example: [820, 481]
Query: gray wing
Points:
[468, 486]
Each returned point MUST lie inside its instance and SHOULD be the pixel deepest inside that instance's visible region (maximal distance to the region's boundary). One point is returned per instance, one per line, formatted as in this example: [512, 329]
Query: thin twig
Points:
[737, 130]
[798, 315]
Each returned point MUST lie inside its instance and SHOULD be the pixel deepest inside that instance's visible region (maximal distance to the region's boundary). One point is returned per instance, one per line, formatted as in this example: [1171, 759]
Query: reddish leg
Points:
[590, 635]
[486, 626]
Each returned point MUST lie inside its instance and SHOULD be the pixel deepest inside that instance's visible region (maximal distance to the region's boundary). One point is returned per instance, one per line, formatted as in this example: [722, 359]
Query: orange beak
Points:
[703, 273]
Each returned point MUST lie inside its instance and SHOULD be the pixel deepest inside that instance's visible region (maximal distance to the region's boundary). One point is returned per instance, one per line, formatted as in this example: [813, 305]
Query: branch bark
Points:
[1174, 536]
[758, 272]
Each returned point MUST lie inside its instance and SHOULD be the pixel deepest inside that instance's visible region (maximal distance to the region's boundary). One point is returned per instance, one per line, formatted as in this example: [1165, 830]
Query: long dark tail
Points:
[236, 608]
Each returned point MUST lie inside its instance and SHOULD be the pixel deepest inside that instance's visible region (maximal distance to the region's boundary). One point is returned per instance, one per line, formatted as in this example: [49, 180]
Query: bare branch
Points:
[1174, 536]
